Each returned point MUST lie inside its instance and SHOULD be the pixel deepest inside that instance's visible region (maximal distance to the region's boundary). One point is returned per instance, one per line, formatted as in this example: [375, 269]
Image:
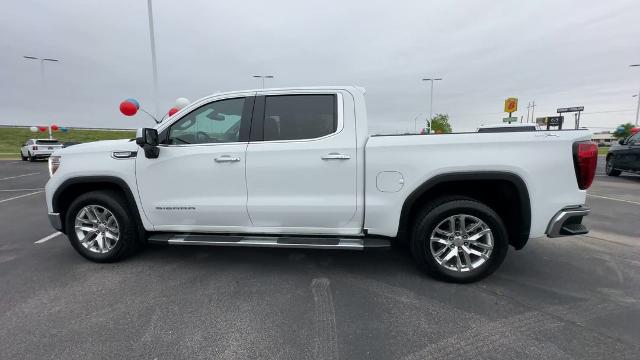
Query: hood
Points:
[99, 146]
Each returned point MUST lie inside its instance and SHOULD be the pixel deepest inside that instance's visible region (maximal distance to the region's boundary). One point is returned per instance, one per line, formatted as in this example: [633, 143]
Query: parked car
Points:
[505, 127]
[34, 149]
[624, 156]
[297, 168]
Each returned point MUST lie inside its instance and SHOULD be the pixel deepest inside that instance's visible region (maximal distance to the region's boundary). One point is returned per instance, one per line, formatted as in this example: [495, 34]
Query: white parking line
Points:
[614, 199]
[18, 197]
[17, 176]
[47, 238]
[17, 190]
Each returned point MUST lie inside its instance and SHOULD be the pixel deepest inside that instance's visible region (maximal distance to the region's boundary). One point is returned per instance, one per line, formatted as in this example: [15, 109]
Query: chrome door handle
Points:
[227, 158]
[336, 156]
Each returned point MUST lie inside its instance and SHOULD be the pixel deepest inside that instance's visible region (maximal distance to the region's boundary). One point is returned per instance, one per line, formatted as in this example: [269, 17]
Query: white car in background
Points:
[34, 149]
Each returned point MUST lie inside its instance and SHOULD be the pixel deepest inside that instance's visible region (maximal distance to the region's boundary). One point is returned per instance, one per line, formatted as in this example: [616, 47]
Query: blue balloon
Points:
[135, 102]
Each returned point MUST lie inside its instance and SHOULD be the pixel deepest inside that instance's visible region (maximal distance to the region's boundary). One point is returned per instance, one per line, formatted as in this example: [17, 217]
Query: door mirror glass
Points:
[147, 136]
[621, 141]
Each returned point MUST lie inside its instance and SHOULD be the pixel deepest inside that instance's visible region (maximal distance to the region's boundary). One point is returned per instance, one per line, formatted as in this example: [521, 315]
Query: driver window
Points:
[216, 122]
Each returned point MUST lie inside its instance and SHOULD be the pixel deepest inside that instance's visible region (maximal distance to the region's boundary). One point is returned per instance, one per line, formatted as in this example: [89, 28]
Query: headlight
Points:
[54, 164]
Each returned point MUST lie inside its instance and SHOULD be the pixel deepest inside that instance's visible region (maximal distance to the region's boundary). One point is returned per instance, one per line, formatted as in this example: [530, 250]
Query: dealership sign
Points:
[511, 105]
[570, 109]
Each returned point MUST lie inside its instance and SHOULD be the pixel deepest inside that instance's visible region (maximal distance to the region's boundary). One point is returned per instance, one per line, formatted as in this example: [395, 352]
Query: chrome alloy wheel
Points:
[97, 228]
[461, 243]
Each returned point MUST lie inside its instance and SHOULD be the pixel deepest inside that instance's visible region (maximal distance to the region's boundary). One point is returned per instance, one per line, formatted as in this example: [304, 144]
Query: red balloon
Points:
[55, 127]
[42, 128]
[128, 108]
[173, 110]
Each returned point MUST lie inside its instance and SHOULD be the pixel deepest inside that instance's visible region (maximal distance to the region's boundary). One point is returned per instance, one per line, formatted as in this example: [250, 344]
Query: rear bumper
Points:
[568, 221]
[56, 222]
[42, 153]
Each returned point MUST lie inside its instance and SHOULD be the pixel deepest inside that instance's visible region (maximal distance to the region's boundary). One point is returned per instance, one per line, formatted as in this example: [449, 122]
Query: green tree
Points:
[440, 124]
[623, 131]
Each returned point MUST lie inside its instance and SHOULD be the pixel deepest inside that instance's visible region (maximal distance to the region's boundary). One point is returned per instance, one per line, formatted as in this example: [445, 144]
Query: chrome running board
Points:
[269, 241]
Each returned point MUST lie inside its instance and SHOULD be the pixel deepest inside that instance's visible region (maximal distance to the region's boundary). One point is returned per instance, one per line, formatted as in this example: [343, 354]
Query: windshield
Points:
[48, 142]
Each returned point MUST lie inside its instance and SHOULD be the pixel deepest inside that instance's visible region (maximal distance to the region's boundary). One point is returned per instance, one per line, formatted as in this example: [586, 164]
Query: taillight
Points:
[34, 148]
[585, 158]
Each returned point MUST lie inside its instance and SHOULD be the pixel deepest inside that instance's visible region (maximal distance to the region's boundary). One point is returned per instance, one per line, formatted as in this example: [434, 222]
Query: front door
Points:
[301, 165]
[197, 183]
[629, 154]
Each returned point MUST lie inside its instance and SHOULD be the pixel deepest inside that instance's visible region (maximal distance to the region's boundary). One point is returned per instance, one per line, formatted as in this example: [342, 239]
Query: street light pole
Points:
[263, 77]
[638, 106]
[415, 122]
[431, 95]
[154, 64]
[42, 81]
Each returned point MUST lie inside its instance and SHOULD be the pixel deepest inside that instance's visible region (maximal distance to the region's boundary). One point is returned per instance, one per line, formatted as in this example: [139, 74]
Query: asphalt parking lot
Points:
[568, 298]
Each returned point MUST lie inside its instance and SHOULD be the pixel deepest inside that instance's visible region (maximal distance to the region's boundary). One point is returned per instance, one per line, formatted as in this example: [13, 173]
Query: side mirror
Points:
[147, 139]
[147, 136]
[621, 141]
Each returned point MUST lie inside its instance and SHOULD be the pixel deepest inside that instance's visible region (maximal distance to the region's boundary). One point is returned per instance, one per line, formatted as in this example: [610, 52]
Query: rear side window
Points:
[47, 142]
[295, 117]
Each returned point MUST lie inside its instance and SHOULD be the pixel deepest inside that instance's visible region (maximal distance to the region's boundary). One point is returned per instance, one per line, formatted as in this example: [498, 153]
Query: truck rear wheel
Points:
[101, 227]
[458, 239]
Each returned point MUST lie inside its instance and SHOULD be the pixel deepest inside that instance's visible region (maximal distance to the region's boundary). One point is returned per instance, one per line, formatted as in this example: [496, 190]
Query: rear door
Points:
[301, 165]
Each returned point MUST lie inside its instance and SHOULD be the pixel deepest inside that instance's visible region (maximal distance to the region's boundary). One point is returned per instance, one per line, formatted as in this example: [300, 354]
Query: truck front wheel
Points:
[459, 239]
[100, 226]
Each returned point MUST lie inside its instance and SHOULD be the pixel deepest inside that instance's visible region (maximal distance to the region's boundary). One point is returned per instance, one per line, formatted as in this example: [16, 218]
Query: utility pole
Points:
[154, 64]
[431, 95]
[263, 77]
[42, 82]
[528, 107]
[533, 107]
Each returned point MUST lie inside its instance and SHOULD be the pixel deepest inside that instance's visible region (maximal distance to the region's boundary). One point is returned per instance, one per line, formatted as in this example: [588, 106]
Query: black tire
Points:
[22, 157]
[441, 209]
[31, 157]
[129, 236]
[608, 168]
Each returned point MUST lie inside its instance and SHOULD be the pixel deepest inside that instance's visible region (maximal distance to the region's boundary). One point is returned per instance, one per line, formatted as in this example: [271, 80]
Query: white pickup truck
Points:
[296, 167]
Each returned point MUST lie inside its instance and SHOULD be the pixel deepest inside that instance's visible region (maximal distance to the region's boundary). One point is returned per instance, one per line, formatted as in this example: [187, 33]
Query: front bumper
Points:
[56, 222]
[568, 221]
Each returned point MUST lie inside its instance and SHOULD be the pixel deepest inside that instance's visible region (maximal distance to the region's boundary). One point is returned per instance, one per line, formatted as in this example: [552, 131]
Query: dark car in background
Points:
[625, 156]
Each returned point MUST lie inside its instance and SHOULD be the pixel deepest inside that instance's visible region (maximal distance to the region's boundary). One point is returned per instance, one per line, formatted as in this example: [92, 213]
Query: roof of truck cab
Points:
[298, 88]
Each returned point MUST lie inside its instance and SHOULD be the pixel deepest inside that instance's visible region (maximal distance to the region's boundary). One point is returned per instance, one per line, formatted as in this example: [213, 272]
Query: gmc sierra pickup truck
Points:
[296, 168]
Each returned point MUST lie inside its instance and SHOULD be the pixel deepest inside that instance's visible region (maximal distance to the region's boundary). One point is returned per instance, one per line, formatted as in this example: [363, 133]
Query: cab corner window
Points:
[295, 117]
[215, 122]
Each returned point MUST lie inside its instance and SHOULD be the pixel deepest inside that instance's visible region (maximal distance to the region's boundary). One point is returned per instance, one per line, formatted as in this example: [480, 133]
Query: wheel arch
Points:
[485, 187]
[70, 189]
